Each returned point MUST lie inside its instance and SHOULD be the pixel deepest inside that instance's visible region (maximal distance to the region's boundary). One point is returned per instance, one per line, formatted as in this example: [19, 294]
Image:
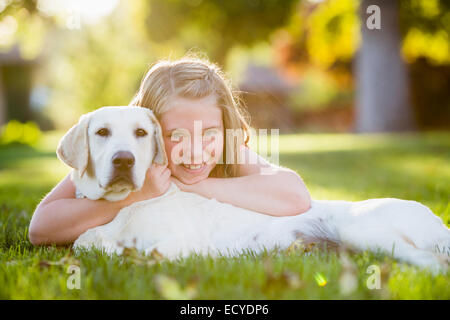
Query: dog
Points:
[110, 150]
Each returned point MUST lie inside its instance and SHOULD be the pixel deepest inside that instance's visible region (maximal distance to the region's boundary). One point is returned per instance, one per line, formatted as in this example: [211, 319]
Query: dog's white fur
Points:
[90, 154]
[180, 223]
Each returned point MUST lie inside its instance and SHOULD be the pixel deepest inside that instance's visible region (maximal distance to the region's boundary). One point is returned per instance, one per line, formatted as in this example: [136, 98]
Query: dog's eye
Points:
[140, 133]
[103, 132]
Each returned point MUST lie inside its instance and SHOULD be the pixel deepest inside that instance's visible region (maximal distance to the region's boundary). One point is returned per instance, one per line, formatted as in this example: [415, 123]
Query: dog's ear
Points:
[73, 148]
[160, 156]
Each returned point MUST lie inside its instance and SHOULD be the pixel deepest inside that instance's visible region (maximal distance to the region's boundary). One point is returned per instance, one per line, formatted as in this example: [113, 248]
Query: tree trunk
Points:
[383, 102]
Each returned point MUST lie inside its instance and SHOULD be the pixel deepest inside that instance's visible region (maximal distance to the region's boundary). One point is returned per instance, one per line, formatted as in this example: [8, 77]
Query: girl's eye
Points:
[179, 133]
[103, 132]
[211, 133]
[140, 132]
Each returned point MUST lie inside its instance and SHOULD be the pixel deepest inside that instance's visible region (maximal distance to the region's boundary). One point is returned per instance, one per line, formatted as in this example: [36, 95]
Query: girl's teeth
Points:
[193, 167]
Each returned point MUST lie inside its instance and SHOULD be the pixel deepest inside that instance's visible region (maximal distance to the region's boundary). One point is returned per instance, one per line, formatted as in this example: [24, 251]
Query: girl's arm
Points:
[60, 218]
[261, 187]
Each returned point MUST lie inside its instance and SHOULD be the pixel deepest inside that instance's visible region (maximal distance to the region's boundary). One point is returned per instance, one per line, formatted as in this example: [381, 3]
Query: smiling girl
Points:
[196, 108]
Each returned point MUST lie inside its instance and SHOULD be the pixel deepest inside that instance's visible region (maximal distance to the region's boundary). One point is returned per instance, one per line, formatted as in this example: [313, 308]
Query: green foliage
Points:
[426, 26]
[16, 132]
[333, 32]
[216, 26]
[333, 167]
[102, 63]
[318, 90]
[107, 72]
[328, 32]
[21, 24]
[322, 34]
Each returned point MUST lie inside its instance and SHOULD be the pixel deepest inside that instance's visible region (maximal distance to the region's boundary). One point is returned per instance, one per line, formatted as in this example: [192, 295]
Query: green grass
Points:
[345, 167]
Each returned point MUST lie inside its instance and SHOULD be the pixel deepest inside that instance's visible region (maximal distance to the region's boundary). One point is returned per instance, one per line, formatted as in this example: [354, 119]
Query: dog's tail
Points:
[317, 232]
[442, 243]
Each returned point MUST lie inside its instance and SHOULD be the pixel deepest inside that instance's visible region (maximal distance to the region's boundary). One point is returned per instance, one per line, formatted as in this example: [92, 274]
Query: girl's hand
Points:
[156, 183]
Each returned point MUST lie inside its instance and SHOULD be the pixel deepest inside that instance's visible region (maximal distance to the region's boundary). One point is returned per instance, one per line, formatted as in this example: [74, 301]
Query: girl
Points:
[190, 97]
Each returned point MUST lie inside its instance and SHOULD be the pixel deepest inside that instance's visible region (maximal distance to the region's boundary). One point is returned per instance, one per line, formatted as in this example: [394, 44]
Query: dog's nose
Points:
[123, 160]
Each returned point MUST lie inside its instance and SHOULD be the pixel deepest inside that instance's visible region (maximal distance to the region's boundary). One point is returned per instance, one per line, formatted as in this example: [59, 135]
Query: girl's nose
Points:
[197, 152]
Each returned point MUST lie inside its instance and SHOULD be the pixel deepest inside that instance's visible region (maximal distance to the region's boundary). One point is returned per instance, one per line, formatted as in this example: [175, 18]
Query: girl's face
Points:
[193, 136]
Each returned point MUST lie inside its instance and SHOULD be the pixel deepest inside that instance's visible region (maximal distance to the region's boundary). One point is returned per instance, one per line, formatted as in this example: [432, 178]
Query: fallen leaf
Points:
[170, 289]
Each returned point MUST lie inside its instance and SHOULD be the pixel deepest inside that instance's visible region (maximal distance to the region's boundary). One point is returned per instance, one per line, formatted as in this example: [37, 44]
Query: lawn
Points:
[334, 166]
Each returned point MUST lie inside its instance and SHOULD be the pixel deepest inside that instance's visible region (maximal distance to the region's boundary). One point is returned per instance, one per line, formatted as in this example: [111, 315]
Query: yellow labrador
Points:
[111, 148]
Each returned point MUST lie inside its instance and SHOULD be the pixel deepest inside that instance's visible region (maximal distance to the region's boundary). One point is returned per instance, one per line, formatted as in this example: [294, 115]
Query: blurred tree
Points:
[426, 48]
[383, 100]
[326, 35]
[16, 80]
[21, 35]
[215, 26]
[85, 67]
[102, 63]
[27, 27]
[426, 30]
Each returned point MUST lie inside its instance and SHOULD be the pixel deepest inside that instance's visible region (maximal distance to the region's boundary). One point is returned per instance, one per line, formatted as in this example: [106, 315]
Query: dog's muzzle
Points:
[123, 163]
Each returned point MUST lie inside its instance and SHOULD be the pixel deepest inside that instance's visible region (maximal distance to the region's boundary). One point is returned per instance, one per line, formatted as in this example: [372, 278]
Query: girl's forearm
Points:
[283, 194]
[63, 221]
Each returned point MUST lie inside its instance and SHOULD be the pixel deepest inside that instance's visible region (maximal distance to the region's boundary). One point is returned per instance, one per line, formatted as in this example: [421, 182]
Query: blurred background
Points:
[300, 65]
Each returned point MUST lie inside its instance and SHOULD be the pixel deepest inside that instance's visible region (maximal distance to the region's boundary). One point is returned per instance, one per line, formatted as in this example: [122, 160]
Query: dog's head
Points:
[110, 150]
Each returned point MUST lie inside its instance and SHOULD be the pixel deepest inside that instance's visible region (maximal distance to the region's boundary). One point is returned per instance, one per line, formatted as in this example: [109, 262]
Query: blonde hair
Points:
[197, 78]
